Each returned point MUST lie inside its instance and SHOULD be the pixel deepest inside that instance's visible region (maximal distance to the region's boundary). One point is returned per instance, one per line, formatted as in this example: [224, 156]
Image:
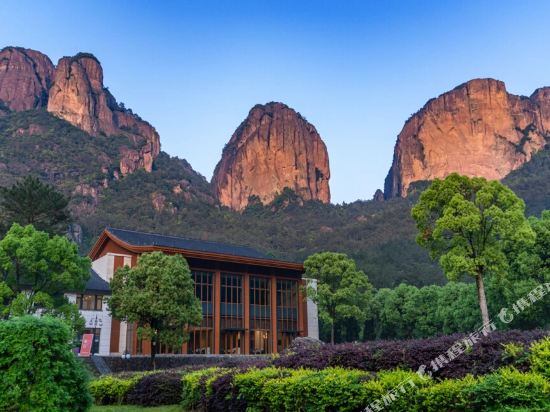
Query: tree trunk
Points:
[332, 333]
[154, 351]
[482, 300]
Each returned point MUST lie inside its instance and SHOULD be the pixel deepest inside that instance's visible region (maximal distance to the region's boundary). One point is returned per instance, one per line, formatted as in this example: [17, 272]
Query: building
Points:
[251, 302]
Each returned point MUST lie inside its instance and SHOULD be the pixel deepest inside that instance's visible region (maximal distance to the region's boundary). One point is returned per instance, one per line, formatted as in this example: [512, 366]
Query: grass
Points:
[132, 408]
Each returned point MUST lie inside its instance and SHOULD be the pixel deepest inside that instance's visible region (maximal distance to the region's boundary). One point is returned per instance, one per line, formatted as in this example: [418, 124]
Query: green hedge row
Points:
[336, 389]
[339, 389]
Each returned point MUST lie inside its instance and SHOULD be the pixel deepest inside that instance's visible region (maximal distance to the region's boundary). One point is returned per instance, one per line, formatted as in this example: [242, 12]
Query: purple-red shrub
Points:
[485, 356]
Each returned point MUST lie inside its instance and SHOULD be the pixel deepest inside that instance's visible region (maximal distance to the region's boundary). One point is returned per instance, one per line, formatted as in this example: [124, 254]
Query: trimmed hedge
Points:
[540, 357]
[509, 388]
[330, 389]
[347, 389]
[156, 389]
[110, 390]
[486, 355]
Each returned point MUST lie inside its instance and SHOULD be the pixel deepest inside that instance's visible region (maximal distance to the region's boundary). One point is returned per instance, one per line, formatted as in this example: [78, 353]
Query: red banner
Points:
[86, 347]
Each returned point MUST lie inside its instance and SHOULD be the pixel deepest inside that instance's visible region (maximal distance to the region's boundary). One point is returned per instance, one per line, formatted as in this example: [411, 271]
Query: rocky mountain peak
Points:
[79, 97]
[25, 78]
[273, 148]
[476, 129]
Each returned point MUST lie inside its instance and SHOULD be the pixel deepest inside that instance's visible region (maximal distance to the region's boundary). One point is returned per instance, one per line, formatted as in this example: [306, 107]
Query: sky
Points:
[355, 69]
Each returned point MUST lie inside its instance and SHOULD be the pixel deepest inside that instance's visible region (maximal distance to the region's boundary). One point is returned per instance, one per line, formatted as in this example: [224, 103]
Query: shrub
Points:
[448, 395]
[109, 390]
[509, 388]
[156, 389]
[38, 369]
[485, 356]
[386, 381]
[310, 390]
[250, 386]
[540, 357]
[194, 387]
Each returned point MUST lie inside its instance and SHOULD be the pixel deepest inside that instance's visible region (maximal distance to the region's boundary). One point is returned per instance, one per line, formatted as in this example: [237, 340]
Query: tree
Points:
[30, 202]
[36, 270]
[158, 294]
[342, 291]
[470, 224]
[38, 369]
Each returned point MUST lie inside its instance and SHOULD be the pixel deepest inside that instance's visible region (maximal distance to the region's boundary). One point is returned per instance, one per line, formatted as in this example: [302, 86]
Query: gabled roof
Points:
[96, 284]
[151, 239]
[140, 242]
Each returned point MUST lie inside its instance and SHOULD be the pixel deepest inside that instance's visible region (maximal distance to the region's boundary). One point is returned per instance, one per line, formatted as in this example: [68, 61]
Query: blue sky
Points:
[355, 69]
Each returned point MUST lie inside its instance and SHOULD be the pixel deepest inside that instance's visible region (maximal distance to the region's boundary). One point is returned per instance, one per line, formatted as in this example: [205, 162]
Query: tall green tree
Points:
[36, 270]
[158, 294]
[31, 202]
[341, 292]
[470, 224]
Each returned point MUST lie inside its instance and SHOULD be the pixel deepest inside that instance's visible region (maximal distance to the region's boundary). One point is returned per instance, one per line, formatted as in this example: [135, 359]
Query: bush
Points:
[38, 369]
[485, 356]
[309, 390]
[540, 357]
[509, 388]
[448, 395]
[156, 389]
[377, 389]
[223, 394]
[110, 390]
[250, 386]
[195, 387]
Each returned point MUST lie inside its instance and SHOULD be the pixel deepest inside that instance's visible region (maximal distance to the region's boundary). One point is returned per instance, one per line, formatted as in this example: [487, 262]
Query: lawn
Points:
[132, 408]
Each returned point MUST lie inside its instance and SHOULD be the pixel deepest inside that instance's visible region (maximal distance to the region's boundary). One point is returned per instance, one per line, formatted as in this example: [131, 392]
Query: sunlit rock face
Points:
[274, 148]
[477, 129]
[25, 78]
[78, 96]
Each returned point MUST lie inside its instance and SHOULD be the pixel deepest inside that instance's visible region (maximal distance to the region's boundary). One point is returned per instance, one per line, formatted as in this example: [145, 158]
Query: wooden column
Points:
[246, 312]
[300, 309]
[273, 314]
[217, 313]
[304, 311]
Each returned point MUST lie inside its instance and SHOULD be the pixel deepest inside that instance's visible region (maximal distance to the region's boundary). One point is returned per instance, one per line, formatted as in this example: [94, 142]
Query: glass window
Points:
[260, 315]
[201, 338]
[231, 310]
[89, 302]
[287, 312]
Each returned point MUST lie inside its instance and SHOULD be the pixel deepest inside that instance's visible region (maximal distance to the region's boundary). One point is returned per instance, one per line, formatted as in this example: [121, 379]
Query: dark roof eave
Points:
[256, 261]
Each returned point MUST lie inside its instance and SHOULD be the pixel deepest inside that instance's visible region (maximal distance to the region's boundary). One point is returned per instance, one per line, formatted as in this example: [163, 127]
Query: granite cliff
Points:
[25, 78]
[79, 97]
[274, 148]
[477, 129]
[74, 91]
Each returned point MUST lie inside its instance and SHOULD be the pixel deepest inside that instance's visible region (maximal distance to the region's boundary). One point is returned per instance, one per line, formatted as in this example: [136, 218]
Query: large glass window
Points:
[260, 315]
[201, 339]
[231, 311]
[89, 302]
[287, 312]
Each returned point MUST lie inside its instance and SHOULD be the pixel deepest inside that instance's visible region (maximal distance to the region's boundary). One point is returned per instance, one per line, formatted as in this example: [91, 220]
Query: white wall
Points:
[97, 319]
[312, 314]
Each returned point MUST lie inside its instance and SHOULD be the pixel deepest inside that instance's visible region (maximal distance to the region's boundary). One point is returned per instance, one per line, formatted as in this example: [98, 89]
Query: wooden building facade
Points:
[251, 302]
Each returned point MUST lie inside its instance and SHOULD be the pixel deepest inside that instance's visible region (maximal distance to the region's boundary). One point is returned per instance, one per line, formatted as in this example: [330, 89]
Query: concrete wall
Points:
[312, 314]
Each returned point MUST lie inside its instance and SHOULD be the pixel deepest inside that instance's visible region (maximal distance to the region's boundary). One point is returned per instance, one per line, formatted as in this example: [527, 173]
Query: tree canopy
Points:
[341, 291]
[30, 202]
[36, 271]
[470, 224]
[158, 294]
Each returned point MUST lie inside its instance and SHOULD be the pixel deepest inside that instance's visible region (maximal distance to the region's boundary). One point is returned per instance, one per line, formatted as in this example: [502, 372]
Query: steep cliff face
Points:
[25, 78]
[477, 129]
[79, 97]
[273, 148]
